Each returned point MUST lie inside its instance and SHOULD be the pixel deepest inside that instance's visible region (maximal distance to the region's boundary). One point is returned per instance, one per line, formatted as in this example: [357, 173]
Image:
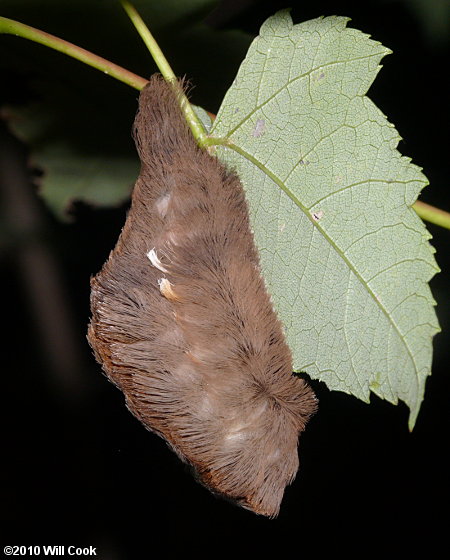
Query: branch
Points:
[194, 123]
[21, 30]
[432, 214]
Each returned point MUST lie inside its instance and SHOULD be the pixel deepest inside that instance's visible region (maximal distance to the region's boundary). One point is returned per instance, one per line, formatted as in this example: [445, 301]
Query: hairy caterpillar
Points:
[183, 325]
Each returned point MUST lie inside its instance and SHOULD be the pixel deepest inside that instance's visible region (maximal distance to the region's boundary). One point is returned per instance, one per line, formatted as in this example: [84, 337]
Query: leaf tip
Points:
[281, 21]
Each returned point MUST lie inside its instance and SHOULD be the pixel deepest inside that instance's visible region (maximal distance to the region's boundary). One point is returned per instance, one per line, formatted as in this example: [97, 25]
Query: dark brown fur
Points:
[202, 361]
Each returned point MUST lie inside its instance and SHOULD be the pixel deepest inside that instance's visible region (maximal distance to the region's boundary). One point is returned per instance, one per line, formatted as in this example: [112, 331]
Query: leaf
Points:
[345, 257]
[83, 153]
[204, 117]
[91, 175]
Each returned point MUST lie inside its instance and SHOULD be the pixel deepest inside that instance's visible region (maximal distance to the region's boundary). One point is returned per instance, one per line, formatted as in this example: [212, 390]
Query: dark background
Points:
[77, 467]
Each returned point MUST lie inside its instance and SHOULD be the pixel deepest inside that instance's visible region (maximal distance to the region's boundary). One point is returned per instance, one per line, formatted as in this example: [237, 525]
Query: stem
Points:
[194, 123]
[21, 30]
[432, 214]
[149, 41]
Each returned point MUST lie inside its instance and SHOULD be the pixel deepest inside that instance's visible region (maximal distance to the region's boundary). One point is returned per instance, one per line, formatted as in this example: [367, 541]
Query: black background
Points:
[78, 469]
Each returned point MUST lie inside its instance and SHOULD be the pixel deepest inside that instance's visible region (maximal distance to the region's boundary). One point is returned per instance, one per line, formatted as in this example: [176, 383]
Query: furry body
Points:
[183, 325]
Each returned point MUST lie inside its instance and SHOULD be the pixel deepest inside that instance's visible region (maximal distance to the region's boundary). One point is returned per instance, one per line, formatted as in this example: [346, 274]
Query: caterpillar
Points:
[182, 323]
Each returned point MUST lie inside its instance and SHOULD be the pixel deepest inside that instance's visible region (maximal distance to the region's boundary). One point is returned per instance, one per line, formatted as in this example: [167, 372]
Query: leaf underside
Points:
[345, 257]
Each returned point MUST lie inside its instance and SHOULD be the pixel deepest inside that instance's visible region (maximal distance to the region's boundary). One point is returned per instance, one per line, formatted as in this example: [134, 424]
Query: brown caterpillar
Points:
[183, 325]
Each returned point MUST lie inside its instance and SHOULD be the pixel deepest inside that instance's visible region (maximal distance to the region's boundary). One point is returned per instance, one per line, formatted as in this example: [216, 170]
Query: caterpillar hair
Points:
[182, 322]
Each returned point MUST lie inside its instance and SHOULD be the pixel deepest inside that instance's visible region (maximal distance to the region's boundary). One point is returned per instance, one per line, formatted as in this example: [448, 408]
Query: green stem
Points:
[149, 41]
[432, 214]
[21, 30]
[194, 123]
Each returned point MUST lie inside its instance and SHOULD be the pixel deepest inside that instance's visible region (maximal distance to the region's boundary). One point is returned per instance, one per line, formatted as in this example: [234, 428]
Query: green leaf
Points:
[344, 255]
[82, 151]
[205, 119]
[77, 171]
